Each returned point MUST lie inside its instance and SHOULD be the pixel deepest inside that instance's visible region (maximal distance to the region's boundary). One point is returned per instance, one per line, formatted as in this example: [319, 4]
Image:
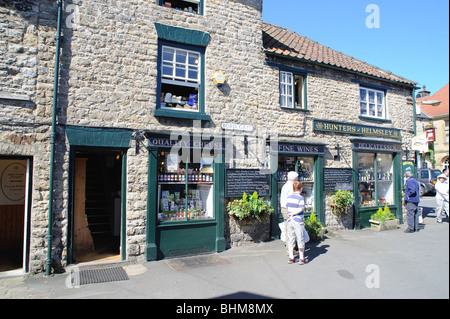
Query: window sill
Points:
[182, 114]
[191, 222]
[293, 109]
[367, 118]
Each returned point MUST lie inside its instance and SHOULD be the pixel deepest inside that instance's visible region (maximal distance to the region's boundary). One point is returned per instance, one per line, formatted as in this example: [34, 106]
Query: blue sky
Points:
[412, 39]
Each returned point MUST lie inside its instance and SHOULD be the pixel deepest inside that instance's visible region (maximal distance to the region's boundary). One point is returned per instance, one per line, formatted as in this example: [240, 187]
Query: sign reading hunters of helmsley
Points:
[356, 129]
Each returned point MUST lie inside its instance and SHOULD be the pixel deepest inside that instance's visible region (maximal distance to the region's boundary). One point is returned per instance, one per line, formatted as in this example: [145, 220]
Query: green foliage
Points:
[249, 207]
[313, 227]
[383, 215]
[341, 202]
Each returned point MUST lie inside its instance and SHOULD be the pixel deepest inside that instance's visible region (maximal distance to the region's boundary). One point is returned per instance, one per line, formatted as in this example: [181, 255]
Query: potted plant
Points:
[252, 207]
[249, 220]
[341, 202]
[315, 229]
[383, 220]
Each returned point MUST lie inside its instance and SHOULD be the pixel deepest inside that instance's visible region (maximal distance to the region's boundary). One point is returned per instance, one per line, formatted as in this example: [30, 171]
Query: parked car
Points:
[427, 179]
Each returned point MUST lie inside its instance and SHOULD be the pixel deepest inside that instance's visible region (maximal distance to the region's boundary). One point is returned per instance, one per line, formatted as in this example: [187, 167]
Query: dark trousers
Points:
[412, 215]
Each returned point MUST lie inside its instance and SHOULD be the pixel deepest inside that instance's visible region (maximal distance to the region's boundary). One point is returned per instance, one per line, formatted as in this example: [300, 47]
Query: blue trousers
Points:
[412, 215]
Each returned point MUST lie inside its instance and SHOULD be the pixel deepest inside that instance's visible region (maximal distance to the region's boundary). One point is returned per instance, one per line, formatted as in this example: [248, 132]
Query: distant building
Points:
[433, 110]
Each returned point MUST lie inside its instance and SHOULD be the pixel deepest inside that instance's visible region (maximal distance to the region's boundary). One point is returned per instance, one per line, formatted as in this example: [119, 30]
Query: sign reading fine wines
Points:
[355, 129]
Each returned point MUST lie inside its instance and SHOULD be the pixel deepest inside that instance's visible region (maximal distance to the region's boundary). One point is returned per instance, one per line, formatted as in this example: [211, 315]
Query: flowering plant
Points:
[341, 202]
[313, 227]
[249, 207]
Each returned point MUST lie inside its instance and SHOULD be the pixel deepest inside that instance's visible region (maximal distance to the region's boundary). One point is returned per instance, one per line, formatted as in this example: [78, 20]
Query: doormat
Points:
[194, 262]
[98, 275]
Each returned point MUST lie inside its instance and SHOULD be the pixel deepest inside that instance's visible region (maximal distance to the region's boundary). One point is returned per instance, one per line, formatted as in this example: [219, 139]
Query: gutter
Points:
[53, 140]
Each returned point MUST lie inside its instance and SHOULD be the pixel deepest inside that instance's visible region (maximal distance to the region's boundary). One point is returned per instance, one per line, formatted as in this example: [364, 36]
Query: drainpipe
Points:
[52, 140]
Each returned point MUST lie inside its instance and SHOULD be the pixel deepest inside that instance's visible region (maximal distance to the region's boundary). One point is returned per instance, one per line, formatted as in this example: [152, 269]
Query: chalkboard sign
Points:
[338, 178]
[239, 181]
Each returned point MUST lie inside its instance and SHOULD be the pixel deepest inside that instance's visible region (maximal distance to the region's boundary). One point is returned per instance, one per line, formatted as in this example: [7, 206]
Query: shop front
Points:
[305, 159]
[377, 178]
[185, 196]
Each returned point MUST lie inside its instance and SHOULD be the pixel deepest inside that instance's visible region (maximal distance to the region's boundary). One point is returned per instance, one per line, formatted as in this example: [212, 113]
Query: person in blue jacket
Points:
[412, 201]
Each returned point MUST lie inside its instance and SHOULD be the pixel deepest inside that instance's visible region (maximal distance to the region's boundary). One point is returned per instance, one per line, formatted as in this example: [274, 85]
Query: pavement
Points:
[348, 264]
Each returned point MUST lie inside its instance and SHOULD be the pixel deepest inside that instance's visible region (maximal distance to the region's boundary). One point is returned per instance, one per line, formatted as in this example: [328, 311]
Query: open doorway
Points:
[97, 205]
[14, 203]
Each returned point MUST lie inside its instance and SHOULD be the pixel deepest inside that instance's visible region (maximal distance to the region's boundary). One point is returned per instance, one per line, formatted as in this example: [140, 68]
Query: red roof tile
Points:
[284, 42]
[441, 109]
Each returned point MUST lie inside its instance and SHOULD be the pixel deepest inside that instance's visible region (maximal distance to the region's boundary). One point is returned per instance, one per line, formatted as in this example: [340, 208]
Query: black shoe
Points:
[409, 231]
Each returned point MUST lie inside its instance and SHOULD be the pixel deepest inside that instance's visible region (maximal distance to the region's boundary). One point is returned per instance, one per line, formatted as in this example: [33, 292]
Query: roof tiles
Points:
[287, 43]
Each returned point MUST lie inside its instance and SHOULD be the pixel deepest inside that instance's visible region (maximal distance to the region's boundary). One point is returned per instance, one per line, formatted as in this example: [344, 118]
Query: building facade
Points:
[159, 103]
[433, 113]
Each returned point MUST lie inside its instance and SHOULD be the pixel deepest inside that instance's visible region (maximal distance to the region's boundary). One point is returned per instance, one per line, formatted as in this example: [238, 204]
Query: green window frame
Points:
[181, 73]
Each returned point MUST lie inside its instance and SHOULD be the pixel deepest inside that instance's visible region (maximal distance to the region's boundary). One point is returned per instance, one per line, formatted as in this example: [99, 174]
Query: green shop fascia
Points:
[186, 201]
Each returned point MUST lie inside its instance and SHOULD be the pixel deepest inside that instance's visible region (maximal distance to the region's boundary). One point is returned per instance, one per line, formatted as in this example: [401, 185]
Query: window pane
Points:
[372, 109]
[194, 59]
[168, 54]
[181, 56]
[363, 108]
[167, 70]
[193, 74]
[363, 95]
[380, 110]
[180, 71]
[366, 179]
[372, 96]
[380, 98]
[385, 179]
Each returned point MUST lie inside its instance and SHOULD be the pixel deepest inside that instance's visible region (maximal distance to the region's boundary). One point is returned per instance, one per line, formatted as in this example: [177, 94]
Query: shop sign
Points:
[186, 142]
[238, 127]
[355, 129]
[420, 143]
[377, 147]
[298, 148]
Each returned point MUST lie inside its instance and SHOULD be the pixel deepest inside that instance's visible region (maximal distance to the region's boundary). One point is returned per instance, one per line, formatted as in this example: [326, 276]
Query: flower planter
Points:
[248, 231]
[387, 225]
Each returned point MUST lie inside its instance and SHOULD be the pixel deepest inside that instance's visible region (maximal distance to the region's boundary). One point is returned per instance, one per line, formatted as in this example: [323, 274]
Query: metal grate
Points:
[99, 275]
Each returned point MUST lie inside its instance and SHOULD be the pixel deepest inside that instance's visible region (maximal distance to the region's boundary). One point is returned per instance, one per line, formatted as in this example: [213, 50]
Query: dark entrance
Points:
[97, 205]
[15, 179]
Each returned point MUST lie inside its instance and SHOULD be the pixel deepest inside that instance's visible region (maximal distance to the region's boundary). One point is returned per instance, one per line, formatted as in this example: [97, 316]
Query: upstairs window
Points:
[292, 90]
[372, 103]
[180, 80]
[194, 6]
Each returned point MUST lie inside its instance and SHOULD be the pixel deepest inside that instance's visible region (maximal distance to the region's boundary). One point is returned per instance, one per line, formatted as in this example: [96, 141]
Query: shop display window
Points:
[185, 190]
[375, 179]
[304, 166]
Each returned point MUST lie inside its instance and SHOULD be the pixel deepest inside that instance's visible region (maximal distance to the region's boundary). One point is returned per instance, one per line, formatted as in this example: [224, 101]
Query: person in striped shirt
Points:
[295, 226]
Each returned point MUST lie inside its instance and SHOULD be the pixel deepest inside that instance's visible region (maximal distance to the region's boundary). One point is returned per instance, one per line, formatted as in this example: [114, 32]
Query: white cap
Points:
[292, 176]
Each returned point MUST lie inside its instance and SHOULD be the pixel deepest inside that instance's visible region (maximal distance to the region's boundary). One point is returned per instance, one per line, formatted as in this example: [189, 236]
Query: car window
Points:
[435, 173]
[424, 174]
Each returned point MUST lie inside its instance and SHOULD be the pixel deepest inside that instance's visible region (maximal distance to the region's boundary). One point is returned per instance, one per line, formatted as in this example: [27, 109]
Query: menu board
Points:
[239, 181]
[338, 179]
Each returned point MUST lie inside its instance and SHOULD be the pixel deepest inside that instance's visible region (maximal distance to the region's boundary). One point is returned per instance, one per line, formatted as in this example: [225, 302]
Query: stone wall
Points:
[27, 46]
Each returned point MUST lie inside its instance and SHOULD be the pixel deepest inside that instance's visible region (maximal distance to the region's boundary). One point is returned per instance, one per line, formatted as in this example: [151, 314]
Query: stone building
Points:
[157, 102]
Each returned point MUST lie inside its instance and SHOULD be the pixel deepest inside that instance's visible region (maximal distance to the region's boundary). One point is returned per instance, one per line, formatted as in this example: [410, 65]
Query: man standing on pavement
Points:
[412, 203]
[286, 190]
